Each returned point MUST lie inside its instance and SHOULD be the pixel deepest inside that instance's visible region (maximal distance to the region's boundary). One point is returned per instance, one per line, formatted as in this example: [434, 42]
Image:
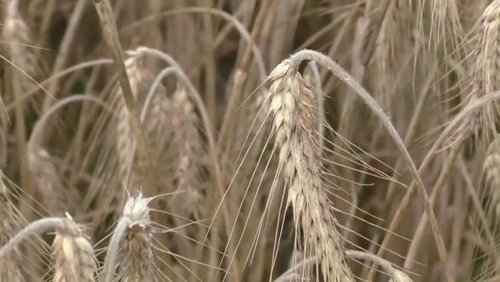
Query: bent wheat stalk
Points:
[339, 72]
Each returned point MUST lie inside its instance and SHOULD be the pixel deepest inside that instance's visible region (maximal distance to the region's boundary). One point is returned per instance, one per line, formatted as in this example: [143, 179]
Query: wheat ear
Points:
[131, 246]
[372, 104]
[294, 114]
[184, 123]
[73, 254]
[124, 134]
[486, 73]
[17, 34]
[107, 21]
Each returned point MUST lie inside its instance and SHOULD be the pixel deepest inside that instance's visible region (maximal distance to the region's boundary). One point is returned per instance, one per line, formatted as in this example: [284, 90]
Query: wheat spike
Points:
[156, 121]
[136, 255]
[294, 114]
[399, 276]
[124, 138]
[130, 255]
[73, 254]
[486, 78]
[187, 139]
[16, 33]
[49, 186]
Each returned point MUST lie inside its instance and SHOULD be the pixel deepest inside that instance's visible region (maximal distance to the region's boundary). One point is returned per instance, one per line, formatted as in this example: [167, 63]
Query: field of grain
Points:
[250, 140]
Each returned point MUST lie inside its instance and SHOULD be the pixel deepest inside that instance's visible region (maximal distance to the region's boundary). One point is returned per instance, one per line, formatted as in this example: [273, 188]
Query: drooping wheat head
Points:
[73, 254]
[486, 72]
[49, 187]
[17, 34]
[156, 122]
[187, 139]
[136, 257]
[294, 115]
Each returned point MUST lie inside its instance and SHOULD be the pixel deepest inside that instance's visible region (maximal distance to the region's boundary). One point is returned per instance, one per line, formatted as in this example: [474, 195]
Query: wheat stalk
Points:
[124, 140]
[294, 126]
[107, 21]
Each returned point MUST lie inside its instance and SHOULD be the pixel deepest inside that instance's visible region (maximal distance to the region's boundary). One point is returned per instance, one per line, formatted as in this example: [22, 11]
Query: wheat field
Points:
[250, 140]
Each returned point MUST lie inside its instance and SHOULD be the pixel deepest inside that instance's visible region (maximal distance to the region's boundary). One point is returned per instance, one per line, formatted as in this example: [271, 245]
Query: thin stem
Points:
[38, 129]
[65, 47]
[114, 247]
[228, 17]
[110, 33]
[438, 187]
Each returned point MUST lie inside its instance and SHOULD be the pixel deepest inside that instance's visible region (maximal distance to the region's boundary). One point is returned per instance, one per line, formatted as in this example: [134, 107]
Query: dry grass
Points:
[369, 152]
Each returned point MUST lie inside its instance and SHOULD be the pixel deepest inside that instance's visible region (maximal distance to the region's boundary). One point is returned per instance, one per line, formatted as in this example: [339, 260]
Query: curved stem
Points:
[152, 90]
[114, 248]
[55, 76]
[241, 29]
[35, 228]
[471, 109]
[36, 134]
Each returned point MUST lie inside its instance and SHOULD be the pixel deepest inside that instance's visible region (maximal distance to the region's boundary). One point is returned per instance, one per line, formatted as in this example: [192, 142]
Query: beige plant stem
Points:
[110, 34]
